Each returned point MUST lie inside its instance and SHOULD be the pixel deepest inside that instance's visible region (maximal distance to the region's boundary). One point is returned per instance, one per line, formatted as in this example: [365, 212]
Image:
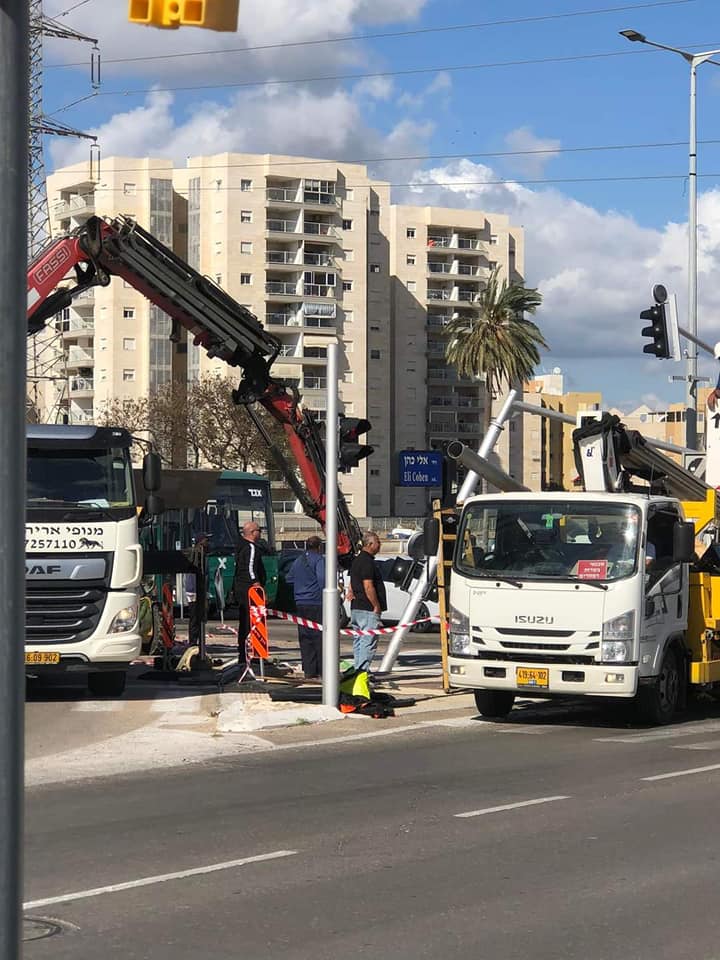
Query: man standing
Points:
[307, 576]
[249, 570]
[368, 599]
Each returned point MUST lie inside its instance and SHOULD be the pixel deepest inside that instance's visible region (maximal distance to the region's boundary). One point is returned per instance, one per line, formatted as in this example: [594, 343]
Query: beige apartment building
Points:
[318, 253]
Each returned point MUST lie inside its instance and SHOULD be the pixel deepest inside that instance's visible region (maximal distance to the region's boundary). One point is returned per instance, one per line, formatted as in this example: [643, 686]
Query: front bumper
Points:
[108, 652]
[564, 679]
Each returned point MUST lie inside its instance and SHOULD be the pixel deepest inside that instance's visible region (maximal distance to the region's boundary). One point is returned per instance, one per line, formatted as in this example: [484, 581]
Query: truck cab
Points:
[567, 594]
[83, 561]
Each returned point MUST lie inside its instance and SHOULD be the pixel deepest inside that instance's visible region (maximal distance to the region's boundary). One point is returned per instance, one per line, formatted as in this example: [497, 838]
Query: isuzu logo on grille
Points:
[529, 618]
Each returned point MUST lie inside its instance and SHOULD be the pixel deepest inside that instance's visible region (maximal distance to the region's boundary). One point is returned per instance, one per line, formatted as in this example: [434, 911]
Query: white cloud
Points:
[375, 88]
[539, 151]
[441, 83]
[594, 268]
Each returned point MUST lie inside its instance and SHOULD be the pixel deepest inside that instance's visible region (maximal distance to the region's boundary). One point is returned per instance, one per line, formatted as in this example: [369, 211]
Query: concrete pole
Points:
[467, 489]
[331, 607]
[14, 107]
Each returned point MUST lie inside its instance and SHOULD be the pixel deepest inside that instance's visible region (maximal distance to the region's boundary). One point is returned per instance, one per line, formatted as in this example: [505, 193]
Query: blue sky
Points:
[594, 246]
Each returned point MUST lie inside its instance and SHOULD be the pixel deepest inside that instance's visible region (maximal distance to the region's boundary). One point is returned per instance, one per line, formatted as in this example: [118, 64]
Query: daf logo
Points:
[526, 618]
[42, 569]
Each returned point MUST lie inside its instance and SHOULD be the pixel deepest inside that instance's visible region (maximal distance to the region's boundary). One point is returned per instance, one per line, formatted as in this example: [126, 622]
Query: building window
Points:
[246, 185]
[492, 264]
[410, 233]
[374, 472]
[348, 377]
[348, 255]
[128, 375]
[411, 285]
[347, 225]
[493, 238]
[349, 193]
[245, 279]
[128, 313]
[128, 343]
[246, 246]
[246, 216]
[218, 279]
[375, 327]
[129, 189]
[348, 316]
[374, 354]
[347, 284]
[374, 268]
[411, 260]
[349, 346]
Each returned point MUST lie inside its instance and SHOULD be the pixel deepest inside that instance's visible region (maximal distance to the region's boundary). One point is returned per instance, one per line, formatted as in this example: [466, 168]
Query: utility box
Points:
[171, 14]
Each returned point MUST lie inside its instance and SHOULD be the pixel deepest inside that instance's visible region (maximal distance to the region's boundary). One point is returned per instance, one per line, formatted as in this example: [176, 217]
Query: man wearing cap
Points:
[307, 576]
[249, 570]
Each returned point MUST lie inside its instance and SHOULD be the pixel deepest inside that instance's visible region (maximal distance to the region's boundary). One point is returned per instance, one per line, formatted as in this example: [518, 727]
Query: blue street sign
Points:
[420, 468]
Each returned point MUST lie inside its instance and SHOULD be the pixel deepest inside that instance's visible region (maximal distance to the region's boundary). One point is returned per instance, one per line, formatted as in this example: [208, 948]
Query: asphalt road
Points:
[395, 847]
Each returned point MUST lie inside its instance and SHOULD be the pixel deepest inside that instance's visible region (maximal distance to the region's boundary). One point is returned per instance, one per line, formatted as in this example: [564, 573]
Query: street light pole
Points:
[695, 60]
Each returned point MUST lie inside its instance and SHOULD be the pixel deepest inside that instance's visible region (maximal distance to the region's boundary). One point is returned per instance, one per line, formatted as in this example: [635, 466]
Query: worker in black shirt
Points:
[249, 570]
[368, 599]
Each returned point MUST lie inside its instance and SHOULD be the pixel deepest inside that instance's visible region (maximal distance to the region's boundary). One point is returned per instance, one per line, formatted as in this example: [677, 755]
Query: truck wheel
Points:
[109, 684]
[425, 627]
[657, 703]
[494, 704]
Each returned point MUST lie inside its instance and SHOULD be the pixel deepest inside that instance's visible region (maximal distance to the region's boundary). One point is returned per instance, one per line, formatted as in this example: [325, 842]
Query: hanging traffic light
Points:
[661, 346]
[171, 14]
[350, 452]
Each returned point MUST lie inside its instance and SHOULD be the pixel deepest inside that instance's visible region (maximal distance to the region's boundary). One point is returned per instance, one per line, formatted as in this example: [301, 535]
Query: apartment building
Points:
[316, 250]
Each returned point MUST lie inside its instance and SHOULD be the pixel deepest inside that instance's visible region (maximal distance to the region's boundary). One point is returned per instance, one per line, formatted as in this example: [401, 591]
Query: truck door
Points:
[665, 612]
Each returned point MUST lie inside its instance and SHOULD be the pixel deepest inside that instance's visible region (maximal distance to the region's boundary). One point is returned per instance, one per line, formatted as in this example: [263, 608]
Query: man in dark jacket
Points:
[249, 570]
[307, 576]
[368, 599]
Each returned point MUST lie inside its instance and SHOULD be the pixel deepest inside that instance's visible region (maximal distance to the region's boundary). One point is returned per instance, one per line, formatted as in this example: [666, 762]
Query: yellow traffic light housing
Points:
[171, 14]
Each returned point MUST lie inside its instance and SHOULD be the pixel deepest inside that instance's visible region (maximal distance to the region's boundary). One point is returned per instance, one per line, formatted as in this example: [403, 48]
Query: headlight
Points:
[125, 619]
[459, 639]
[617, 638]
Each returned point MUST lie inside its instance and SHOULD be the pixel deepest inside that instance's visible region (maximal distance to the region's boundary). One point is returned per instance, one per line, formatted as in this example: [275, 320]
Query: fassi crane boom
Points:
[103, 248]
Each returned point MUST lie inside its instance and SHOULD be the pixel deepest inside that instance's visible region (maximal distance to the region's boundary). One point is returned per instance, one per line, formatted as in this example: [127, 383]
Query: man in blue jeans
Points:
[307, 576]
[368, 599]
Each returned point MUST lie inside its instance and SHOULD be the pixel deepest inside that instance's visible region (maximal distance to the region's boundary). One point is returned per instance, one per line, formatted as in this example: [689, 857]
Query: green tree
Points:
[499, 344]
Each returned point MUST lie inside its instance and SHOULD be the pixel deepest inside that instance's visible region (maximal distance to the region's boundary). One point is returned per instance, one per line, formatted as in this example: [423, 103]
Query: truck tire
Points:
[108, 684]
[494, 704]
[657, 704]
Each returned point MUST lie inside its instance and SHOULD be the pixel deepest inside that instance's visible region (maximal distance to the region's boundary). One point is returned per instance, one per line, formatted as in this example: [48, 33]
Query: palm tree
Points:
[499, 344]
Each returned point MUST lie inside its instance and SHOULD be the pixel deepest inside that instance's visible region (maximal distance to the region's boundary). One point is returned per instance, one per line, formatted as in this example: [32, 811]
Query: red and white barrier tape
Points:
[303, 622]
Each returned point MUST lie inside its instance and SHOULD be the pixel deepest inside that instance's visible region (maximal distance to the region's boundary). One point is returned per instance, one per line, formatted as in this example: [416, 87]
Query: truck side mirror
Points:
[154, 505]
[152, 472]
[683, 542]
[431, 536]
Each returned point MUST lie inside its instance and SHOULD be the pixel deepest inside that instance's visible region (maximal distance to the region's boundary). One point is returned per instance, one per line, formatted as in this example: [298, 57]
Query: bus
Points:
[216, 503]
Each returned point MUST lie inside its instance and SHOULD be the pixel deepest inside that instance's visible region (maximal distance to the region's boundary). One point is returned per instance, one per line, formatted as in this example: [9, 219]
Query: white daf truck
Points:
[589, 593]
[83, 560]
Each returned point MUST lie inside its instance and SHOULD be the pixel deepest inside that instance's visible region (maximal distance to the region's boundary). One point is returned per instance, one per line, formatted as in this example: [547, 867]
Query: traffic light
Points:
[658, 327]
[350, 451]
[171, 14]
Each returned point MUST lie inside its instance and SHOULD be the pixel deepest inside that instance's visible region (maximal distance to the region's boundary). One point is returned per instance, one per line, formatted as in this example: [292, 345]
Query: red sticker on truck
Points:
[592, 569]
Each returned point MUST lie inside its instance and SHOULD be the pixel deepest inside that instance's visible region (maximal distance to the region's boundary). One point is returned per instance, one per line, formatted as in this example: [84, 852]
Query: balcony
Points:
[319, 229]
[319, 199]
[438, 240]
[281, 288]
[281, 256]
[322, 323]
[281, 319]
[469, 296]
[282, 195]
[439, 266]
[319, 259]
[435, 428]
[80, 357]
[438, 320]
[81, 205]
[273, 225]
[434, 293]
[82, 385]
[314, 383]
[79, 415]
[468, 270]
[76, 327]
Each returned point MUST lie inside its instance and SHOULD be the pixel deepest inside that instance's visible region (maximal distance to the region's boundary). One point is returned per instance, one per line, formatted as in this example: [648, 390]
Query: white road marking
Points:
[702, 745]
[666, 733]
[682, 773]
[161, 878]
[531, 730]
[98, 706]
[176, 705]
[510, 806]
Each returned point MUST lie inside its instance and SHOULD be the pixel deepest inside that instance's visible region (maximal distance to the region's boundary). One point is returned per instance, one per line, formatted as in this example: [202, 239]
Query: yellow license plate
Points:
[532, 676]
[42, 656]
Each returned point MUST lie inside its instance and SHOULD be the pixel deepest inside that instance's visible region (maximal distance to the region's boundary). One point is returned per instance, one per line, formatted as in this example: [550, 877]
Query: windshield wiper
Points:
[502, 579]
[598, 584]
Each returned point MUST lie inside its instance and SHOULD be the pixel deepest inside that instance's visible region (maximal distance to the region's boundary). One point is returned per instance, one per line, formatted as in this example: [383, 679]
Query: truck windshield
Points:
[88, 477]
[553, 540]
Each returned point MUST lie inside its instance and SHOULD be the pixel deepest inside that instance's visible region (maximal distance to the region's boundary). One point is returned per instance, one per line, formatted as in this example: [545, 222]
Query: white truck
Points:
[596, 593]
[83, 559]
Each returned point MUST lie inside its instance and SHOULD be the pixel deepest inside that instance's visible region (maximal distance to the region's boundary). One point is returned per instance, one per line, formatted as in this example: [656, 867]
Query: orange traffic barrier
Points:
[259, 641]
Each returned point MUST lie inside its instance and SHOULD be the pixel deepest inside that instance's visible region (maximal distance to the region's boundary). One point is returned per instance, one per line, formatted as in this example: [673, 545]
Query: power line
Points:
[497, 154]
[453, 68]
[383, 36]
